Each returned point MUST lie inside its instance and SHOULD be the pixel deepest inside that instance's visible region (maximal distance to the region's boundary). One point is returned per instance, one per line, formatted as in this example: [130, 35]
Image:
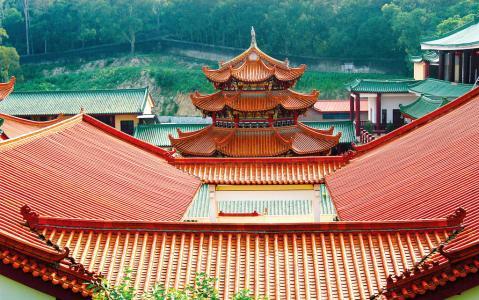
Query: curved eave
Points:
[7, 87]
[289, 100]
[465, 46]
[195, 143]
[261, 54]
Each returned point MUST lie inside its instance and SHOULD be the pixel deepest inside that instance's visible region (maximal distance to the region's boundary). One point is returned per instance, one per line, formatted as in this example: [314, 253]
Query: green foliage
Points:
[202, 289]
[9, 62]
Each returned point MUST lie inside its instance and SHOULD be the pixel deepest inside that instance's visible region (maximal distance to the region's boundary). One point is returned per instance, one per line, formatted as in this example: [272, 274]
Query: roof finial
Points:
[253, 37]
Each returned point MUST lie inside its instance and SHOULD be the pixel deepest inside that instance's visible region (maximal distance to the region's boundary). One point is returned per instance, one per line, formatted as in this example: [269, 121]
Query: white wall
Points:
[10, 289]
[388, 102]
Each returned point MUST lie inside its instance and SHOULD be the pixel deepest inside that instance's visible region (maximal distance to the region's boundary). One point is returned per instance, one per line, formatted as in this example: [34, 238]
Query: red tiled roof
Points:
[246, 142]
[249, 101]
[253, 65]
[15, 126]
[420, 170]
[68, 168]
[301, 261]
[6, 88]
[277, 170]
[330, 106]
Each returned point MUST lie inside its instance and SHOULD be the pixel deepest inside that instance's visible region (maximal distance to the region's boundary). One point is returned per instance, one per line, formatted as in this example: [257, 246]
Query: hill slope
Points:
[169, 78]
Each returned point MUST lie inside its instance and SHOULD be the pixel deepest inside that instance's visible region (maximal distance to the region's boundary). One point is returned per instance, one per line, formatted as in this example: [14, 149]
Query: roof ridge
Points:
[469, 96]
[453, 221]
[31, 122]
[82, 91]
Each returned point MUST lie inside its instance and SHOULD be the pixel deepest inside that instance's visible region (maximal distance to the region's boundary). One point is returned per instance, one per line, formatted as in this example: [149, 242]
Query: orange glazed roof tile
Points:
[6, 88]
[273, 170]
[249, 101]
[253, 65]
[79, 163]
[317, 260]
[331, 106]
[420, 170]
[15, 126]
[255, 142]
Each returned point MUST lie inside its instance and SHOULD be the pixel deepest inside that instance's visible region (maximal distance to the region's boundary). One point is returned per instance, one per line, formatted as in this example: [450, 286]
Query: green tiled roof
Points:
[275, 207]
[430, 56]
[121, 101]
[327, 206]
[380, 86]
[422, 105]
[1, 123]
[346, 127]
[465, 37]
[286, 207]
[201, 204]
[440, 88]
[157, 134]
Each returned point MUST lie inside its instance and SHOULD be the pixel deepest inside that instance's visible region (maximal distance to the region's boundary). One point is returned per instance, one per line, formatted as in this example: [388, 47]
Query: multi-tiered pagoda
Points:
[255, 111]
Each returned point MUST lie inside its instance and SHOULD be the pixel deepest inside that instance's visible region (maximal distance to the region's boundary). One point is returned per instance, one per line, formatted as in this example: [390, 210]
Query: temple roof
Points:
[317, 260]
[429, 56]
[421, 106]
[79, 163]
[380, 86]
[15, 126]
[249, 101]
[6, 88]
[440, 88]
[255, 142]
[253, 65]
[157, 134]
[118, 101]
[337, 106]
[464, 37]
[271, 170]
[421, 170]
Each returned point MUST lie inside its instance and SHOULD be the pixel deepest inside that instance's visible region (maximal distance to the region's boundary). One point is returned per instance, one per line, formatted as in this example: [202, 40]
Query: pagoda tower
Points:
[255, 111]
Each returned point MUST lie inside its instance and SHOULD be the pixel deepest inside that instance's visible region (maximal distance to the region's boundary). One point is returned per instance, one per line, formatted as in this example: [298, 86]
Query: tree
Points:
[9, 62]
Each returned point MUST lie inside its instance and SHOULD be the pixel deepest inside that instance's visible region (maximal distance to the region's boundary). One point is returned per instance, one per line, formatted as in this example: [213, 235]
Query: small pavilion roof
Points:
[40, 103]
[337, 106]
[422, 106]
[316, 260]
[440, 88]
[253, 65]
[465, 37]
[429, 56]
[255, 142]
[249, 101]
[15, 126]
[380, 85]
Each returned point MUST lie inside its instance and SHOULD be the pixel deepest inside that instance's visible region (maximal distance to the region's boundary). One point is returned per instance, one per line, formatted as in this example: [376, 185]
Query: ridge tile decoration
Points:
[6, 88]
[340, 260]
[254, 113]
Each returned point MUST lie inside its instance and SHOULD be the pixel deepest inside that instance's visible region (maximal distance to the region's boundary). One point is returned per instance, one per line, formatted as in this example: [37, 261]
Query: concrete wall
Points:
[10, 289]
[420, 70]
[388, 102]
[119, 118]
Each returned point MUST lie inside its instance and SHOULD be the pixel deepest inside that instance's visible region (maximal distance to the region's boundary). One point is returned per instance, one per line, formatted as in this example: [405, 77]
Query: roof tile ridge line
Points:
[167, 155]
[39, 133]
[196, 94]
[32, 221]
[285, 141]
[341, 226]
[190, 160]
[226, 139]
[117, 90]
[321, 133]
[418, 122]
[59, 118]
[185, 135]
[429, 39]
[425, 266]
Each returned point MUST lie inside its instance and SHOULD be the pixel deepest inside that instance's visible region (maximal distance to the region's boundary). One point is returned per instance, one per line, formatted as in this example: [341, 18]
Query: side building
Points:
[121, 108]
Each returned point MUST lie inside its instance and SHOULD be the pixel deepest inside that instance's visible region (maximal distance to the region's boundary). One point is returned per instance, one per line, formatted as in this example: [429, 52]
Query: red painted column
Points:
[351, 107]
[270, 120]
[236, 121]
[295, 117]
[358, 116]
[213, 118]
[378, 111]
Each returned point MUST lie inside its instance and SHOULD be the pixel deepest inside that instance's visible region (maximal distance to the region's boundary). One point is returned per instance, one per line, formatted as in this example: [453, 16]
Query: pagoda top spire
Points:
[253, 37]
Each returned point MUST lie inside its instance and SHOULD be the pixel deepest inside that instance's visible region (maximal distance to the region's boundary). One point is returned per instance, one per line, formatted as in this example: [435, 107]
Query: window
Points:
[384, 116]
[127, 126]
